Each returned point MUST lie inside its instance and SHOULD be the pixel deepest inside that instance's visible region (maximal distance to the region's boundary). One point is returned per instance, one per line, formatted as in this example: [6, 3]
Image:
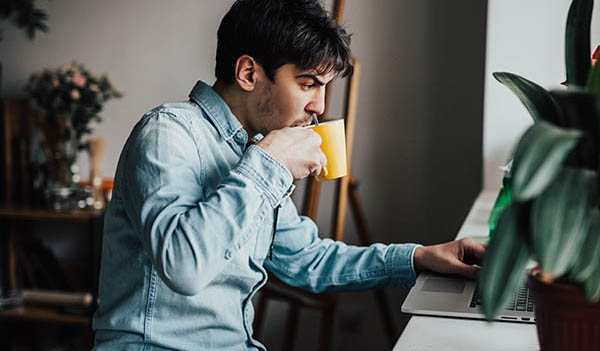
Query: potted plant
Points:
[554, 216]
[70, 98]
[24, 15]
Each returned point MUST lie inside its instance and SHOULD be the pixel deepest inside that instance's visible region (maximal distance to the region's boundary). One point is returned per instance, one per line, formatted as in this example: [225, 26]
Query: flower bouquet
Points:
[69, 99]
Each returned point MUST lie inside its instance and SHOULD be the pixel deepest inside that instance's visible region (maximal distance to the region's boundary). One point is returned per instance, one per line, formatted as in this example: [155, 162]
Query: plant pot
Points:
[565, 319]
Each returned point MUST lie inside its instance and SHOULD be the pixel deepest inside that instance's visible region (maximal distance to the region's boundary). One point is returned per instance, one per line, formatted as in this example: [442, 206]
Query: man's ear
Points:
[246, 72]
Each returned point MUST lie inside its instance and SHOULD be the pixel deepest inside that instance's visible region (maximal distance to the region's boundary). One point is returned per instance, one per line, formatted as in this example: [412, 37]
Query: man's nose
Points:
[317, 104]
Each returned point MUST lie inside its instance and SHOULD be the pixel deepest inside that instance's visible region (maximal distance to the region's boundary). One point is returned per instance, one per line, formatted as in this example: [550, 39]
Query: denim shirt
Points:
[188, 232]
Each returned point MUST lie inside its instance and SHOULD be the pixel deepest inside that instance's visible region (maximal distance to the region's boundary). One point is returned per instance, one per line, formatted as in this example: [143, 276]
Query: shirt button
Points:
[227, 254]
[240, 135]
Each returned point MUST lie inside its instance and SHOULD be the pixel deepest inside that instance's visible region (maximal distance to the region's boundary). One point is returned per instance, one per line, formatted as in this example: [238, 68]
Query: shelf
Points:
[33, 214]
[43, 315]
[15, 220]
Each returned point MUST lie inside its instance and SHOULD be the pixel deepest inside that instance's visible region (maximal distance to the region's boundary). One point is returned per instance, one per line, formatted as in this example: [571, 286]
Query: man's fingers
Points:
[319, 163]
[315, 137]
[323, 158]
[316, 169]
[297, 148]
[450, 258]
[466, 270]
[478, 250]
[474, 249]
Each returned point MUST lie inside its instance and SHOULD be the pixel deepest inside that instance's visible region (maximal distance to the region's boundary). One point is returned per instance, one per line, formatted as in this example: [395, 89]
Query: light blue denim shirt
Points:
[188, 232]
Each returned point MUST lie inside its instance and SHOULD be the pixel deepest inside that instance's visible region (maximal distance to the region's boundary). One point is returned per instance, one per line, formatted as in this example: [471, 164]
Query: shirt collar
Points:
[217, 110]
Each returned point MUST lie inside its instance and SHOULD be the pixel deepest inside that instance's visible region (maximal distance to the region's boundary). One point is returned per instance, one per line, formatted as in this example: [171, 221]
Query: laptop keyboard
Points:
[522, 300]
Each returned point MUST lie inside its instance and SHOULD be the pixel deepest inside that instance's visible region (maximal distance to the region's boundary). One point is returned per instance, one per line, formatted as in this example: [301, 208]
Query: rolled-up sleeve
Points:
[273, 179]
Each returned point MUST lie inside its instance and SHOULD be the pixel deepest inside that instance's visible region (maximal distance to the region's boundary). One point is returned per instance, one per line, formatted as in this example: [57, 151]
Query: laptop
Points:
[438, 295]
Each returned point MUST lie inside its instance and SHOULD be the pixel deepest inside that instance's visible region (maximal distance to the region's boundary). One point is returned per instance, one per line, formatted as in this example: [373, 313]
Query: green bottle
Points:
[502, 201]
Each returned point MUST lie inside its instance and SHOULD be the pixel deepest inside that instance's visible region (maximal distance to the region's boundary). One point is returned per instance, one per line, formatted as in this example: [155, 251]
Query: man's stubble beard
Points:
[267, 112]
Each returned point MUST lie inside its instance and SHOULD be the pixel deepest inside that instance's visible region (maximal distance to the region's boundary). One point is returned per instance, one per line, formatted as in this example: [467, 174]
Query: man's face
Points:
[290, 100]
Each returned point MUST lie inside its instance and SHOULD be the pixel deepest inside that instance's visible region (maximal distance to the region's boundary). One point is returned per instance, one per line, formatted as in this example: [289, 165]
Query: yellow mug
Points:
[334, 148]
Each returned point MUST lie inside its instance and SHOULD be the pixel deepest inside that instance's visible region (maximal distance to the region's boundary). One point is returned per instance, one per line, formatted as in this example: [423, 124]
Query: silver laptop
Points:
[438, 295]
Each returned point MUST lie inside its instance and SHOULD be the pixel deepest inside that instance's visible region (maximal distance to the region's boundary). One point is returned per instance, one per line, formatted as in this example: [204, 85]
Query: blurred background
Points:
[433, 126]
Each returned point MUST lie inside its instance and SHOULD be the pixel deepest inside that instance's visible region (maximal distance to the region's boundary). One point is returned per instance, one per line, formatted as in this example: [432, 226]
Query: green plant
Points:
[71, 97]
[554, 215]
[24, 15]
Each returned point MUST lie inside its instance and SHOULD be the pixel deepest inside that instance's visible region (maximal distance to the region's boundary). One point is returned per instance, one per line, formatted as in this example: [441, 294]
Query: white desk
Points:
[425, 333]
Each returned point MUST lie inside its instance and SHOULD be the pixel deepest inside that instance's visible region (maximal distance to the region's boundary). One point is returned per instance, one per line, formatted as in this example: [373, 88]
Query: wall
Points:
[526, 38]
[419, 131]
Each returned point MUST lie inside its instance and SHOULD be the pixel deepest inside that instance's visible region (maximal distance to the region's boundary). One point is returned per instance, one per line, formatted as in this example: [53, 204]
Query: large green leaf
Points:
[538, 158]
[505, 259]
[589, 258]
[537, 100]
[560, 219]
[592, 284]
[577, 42]
[579, 110]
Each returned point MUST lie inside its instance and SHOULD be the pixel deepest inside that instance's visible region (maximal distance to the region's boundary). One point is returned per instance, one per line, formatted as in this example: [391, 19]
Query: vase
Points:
[565, 319]
[62, 174]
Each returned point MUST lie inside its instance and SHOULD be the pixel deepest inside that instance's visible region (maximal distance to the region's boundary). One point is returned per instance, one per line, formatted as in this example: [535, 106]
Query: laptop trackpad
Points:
[456, 286]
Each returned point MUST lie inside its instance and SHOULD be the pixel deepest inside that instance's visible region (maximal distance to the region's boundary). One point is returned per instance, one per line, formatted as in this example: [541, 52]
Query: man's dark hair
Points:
[276, 32]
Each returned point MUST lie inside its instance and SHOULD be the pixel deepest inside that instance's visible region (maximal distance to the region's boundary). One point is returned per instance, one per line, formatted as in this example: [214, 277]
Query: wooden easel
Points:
[347, 189]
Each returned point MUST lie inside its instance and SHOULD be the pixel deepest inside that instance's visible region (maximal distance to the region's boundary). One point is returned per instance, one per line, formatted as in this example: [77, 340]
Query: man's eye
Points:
[308, 86]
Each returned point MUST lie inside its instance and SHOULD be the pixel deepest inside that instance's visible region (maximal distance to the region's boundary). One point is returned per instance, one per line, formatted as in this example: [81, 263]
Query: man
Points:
[201, 203]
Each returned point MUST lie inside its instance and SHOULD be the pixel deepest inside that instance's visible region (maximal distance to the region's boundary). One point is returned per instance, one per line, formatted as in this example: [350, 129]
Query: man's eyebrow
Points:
[311, 76]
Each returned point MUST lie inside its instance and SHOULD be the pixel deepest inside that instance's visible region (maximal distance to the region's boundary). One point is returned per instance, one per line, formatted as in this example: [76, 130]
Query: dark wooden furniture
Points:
[19, 223]
[42, 325]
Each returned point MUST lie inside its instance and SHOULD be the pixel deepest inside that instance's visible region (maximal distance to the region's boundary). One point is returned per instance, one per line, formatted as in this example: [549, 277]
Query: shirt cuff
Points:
[271, 177]
[400, 263]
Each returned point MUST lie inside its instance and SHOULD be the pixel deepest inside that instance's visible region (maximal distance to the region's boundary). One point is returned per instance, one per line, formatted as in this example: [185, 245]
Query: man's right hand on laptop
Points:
[455, 257]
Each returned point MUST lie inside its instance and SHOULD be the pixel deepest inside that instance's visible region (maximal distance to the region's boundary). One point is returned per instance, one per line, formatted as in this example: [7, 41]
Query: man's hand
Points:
[455, 257]
[296, 148]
